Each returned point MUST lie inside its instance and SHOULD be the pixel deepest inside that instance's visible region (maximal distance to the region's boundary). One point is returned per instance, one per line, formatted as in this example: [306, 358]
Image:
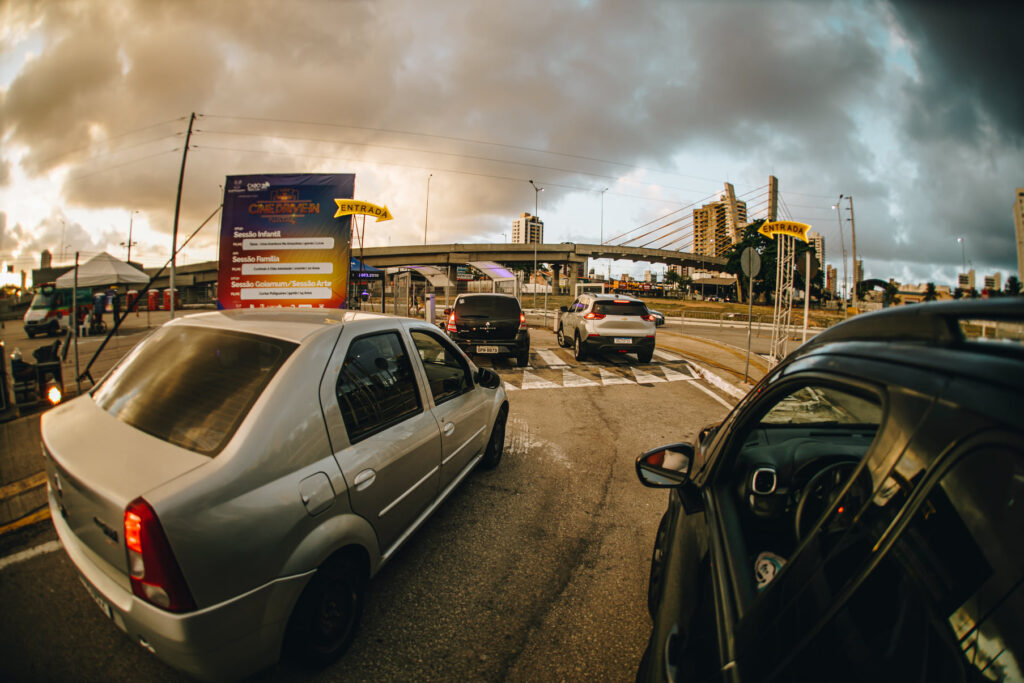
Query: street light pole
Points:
[853, 249]
[129, 243]
[842, 243]
[535, 238]
[602, 214]
[963, 254]
[426, 215]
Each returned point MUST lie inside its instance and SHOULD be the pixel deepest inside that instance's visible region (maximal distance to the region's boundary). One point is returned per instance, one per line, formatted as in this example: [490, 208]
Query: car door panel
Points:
[392, 470]
[462, 418]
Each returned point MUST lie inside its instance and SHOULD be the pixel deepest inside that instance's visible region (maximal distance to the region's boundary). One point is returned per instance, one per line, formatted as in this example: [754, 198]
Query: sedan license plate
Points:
[487, 349]
[97, 598]
[623, 340]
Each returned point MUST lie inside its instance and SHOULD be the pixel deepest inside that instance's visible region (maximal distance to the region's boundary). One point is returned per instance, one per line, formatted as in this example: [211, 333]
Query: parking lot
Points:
[536, 570]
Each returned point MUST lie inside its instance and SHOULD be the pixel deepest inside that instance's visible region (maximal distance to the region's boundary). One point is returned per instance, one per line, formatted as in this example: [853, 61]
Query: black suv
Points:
[858, 516]
[489, 324]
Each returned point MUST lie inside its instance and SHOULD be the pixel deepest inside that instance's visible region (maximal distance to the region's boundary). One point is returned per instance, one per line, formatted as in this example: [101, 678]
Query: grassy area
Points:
[677, 307]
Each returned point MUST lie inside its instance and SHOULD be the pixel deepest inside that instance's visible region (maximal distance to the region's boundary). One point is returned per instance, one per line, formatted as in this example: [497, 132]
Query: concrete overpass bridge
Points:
[561, 255]
[564, 252]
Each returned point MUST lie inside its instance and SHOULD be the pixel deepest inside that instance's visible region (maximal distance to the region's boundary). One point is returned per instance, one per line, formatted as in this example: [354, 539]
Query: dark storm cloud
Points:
[793, 88]
[969, 55]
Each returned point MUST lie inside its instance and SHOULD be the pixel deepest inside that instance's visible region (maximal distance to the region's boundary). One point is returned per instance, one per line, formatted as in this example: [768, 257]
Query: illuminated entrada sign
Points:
[791, 228]
[351, 206]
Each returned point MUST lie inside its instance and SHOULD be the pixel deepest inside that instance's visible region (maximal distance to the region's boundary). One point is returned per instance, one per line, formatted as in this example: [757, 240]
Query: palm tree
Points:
[890, 297]
[929, 292]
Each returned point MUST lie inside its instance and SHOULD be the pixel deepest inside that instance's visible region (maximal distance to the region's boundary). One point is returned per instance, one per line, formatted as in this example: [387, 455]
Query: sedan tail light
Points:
[649, 318]
[594, 316]
[451, 323]
[155, 574]
[522, 320]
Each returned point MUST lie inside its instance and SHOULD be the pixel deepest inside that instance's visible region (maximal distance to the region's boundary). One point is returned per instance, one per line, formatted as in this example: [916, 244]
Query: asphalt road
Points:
[534, 571]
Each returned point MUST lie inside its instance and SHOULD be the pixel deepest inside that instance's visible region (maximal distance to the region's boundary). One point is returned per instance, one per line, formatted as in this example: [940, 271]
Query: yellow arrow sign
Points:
[791, 228]
[350, 206]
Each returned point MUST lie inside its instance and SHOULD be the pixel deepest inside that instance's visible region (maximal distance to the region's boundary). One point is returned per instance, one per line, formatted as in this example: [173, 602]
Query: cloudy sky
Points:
[913, 108]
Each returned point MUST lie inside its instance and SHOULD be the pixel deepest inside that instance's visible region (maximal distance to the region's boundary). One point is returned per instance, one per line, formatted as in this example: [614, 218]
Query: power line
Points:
[422, 168]
[458, 139]
[46, 162]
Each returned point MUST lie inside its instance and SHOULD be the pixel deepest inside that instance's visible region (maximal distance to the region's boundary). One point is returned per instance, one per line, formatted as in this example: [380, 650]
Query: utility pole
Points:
[535, 239]
[426, 215]
[842, 243]
[177, 209]
[853, 249]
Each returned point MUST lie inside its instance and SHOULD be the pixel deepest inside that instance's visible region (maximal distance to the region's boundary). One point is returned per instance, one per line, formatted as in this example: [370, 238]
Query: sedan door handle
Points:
[449, 429]
[364, 479]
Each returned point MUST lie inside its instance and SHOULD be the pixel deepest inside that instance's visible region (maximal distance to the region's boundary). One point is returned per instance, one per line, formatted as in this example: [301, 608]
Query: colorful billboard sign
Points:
[280, 244]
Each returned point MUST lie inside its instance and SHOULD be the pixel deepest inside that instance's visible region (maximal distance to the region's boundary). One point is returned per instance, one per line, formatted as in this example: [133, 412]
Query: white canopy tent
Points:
[103, 269]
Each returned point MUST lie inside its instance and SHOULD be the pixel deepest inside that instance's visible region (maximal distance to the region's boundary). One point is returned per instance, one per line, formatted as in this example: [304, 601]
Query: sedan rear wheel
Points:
[326, 617]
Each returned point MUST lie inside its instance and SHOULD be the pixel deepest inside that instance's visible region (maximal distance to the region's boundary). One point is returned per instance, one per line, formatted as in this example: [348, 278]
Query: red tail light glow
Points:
[594, 316]
[155, 574]
[648, 317]
[451, 323]
[522, 320]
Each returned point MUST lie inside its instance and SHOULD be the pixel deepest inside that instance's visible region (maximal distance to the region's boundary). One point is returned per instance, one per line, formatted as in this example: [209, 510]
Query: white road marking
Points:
[675, 376]
[17, 558]
[644, 377]
[712, 395]
[549, 357]
[665, 355]
[611, 378]
[532, 381]
[571, 379]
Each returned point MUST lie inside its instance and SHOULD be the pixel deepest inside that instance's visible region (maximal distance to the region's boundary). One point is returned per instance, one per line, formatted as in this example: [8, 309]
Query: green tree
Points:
[929, 292]
[1012, 286]
[890, 295]
[767, 248]
[958, 293]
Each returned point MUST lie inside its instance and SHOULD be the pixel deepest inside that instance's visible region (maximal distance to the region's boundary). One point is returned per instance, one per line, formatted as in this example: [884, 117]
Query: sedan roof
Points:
[290, 324]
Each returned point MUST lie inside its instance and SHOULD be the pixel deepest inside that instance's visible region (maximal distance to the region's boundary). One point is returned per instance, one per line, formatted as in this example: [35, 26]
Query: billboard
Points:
[280, 244]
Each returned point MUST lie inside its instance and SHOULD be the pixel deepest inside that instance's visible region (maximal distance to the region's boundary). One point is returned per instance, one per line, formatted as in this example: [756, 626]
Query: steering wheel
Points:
[819, 493]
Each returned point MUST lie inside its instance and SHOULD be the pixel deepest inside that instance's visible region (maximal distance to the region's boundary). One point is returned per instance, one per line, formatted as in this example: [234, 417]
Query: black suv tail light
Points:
[155, 574]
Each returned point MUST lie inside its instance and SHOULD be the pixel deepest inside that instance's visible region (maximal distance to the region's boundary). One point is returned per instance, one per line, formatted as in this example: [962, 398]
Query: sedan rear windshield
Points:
[488, 307]
[620, 307]
[191, 386]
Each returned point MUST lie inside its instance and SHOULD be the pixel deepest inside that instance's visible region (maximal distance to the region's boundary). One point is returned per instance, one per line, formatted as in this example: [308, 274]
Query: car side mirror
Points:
[665, 466]
[447, 311]
[669, 467]
[488, 378]
[563, 309]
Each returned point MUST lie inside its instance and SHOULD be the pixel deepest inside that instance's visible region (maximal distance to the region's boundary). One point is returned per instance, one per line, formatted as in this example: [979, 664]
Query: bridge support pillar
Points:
[573, 270]
[556, 268]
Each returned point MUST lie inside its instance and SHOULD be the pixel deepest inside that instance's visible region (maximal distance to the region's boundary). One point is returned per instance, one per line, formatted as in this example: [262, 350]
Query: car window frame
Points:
[728, 444]
[397, 419]
[421, 365]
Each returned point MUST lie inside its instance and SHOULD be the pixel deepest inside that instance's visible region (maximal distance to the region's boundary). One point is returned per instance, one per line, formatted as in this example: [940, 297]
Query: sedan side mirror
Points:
[447, 311]
[488, 378]
[563, 309]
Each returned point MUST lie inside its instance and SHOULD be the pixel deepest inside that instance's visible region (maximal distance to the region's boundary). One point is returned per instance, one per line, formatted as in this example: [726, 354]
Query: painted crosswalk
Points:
[556, 368]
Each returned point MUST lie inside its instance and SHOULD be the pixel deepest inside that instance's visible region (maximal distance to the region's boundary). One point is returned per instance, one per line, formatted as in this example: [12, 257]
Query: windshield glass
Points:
[191, 386]
[41, 300]
[487, 306]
